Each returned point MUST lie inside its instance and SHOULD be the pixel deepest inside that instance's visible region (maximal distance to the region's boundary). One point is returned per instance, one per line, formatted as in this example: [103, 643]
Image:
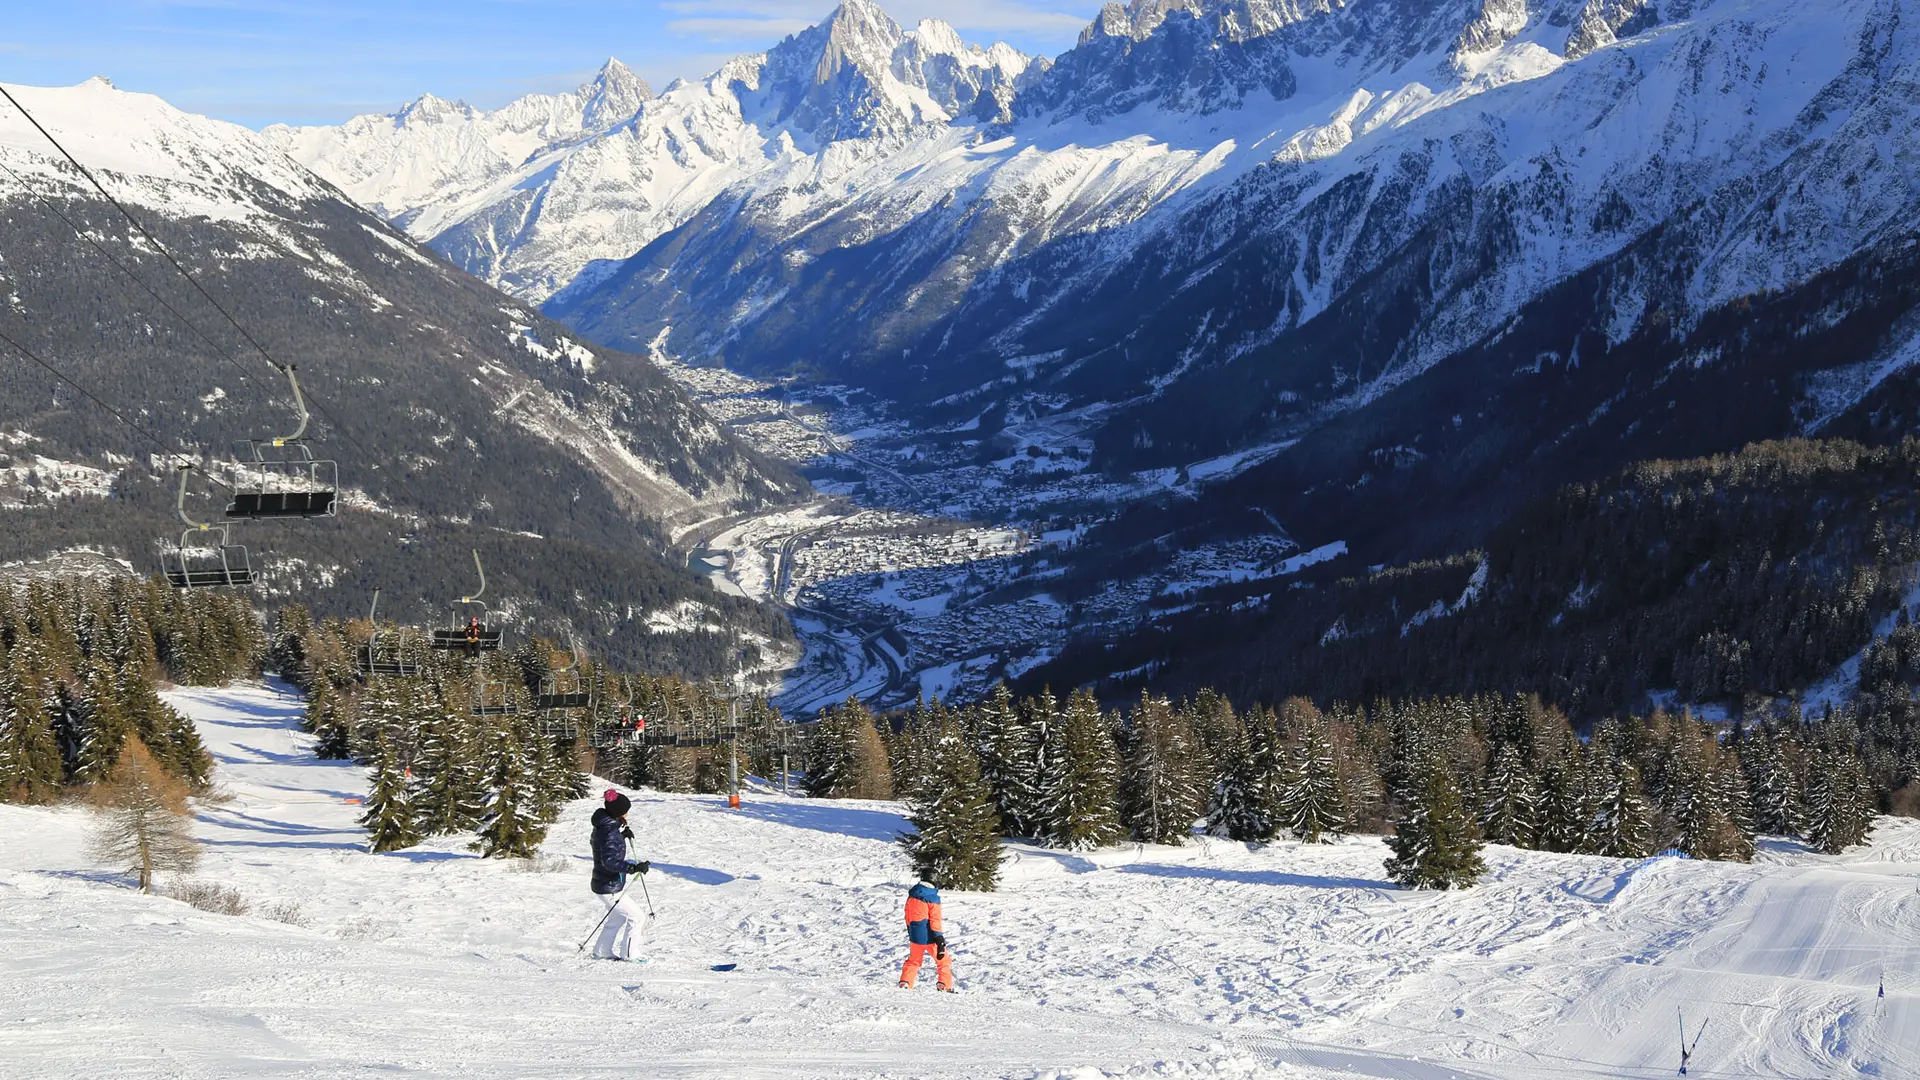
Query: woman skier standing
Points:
[610, 870]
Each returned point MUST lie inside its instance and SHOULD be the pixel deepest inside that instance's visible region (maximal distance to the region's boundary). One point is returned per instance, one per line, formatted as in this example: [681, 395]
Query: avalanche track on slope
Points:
[1206, 960]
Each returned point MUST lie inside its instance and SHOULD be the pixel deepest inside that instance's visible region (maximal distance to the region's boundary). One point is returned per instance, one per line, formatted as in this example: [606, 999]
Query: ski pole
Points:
[617, 897]
[646, 896]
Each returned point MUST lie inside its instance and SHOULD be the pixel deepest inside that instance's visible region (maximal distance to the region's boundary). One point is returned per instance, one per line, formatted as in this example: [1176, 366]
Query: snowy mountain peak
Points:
[613, 96]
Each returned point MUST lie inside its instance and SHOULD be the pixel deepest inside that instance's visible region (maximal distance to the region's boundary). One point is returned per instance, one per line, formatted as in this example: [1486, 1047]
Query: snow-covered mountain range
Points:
[965, 223]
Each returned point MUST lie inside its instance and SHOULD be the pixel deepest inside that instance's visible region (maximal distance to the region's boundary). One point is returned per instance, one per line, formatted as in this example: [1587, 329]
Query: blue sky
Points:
[320, 61]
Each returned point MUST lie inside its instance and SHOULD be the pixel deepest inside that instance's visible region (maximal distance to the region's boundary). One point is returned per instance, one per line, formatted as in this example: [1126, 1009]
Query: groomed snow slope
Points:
[1205, 960]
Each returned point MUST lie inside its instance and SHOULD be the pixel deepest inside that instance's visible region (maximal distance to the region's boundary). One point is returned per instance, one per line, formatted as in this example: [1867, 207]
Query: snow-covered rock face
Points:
[434, 151]
[529, 196]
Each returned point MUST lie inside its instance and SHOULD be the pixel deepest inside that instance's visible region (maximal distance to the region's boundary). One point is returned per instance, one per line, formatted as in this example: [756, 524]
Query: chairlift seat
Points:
[256, 505]
[564, 701]
[219, 578]
[481, 639]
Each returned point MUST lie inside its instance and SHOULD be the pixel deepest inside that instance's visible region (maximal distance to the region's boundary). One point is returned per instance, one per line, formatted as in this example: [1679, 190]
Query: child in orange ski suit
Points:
[925, 938]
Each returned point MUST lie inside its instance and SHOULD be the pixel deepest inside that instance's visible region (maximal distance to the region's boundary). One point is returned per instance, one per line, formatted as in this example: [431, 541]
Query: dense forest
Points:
[1736, 579]
[80, 662]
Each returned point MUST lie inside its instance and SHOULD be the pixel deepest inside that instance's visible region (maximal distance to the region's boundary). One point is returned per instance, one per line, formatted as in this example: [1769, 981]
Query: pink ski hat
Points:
[612, 794]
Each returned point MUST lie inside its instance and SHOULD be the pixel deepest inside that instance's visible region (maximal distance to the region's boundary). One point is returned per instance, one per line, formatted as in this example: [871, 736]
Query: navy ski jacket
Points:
[609, 853]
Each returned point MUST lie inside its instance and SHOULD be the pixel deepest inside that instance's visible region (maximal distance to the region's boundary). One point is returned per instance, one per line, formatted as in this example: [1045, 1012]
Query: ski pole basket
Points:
[468, 630]
[279, 478]
[221, 564]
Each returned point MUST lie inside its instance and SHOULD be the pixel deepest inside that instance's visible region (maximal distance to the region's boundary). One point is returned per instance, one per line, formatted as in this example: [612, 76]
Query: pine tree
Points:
[1159, 792]
[1079, 791]
[1311, 802]
[1434, 842]
[956, 838]
[144, 823]
[389, 807]
[845, 757]
[328, 722]
[1246, 802]
[449, 781]
[1622, 818]
[102, 724]
[1007, 760]
[1773, 784]
[511, 826]
[1510, 808]
[1840, 807]
[29, 755]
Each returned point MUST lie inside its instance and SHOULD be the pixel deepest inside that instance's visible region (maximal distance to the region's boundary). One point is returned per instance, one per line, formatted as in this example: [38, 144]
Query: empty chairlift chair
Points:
[468, 631]
[220, 565]
[279, 479]
[493, 697]
[384, 654]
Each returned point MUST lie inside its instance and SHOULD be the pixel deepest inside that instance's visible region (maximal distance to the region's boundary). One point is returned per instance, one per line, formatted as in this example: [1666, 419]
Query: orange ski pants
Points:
[942, 965]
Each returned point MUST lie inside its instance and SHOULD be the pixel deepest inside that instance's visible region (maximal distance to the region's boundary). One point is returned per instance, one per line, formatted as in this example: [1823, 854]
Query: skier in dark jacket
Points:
[610, 870]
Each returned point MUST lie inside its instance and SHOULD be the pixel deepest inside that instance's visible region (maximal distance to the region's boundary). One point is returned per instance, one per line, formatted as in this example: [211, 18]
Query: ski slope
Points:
[1207, 960]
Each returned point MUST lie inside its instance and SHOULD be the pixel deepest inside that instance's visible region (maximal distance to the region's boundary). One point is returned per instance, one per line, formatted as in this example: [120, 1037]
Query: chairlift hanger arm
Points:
[482, 571]
[299, 407]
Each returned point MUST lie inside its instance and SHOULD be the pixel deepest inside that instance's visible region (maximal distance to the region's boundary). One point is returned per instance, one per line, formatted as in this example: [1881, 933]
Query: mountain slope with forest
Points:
[460, 418]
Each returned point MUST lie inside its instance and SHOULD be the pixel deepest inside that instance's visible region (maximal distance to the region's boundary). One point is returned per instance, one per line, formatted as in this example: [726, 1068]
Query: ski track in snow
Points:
[1206, 960]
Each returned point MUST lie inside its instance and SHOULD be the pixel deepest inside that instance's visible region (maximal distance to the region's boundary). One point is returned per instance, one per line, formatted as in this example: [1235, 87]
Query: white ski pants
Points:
[616, 938]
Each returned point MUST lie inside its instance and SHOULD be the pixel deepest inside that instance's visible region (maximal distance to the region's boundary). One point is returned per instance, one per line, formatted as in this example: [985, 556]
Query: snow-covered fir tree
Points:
[1510, 802]
[1079, 788]
[1246, 802]
[450, 782]
[511, 826]
[1840, 806]
[1160, 788]
[1007, 760]
[1622, 824]
[956, 838]
[1773, 782]
[1311, 802]
[29, 755]
[1435, 843]
[846, 758]
[388, 818]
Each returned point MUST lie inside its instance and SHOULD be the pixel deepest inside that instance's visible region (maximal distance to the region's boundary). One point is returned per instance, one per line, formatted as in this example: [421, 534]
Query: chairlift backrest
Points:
[279, 478]
[221, 565]
[469, 630]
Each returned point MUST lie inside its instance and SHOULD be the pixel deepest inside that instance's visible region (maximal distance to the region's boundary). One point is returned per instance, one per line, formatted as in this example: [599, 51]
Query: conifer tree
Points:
[1435, 844]
[389, 807]
[956, 838]
[511, 826]
[29, 755]
[1312, 801]
[1007, 760]
[1079, 789]
[144, 823]
[1510, 810]
[329, 722]
[1160, 794]
[102, 724]
[1839, 802]
[1622, 818]
[1773, 783]
[1246, 804]
[845, 758]
[449, 782]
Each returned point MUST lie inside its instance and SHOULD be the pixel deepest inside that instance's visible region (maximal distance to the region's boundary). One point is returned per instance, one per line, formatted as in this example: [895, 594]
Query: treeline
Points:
[457, 744]
[80, 663]
[1739, 577]
[1442, 775]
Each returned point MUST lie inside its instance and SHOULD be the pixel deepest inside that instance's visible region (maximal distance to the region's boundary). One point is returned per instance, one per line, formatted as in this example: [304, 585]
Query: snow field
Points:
[1211, 959]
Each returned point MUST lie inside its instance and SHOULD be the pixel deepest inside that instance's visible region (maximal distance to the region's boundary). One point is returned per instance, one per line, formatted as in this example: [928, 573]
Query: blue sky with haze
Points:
[320, 61]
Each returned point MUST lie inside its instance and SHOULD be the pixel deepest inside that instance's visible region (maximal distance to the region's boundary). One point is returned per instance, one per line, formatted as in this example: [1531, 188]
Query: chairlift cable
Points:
[186, 461]
[162, 249]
